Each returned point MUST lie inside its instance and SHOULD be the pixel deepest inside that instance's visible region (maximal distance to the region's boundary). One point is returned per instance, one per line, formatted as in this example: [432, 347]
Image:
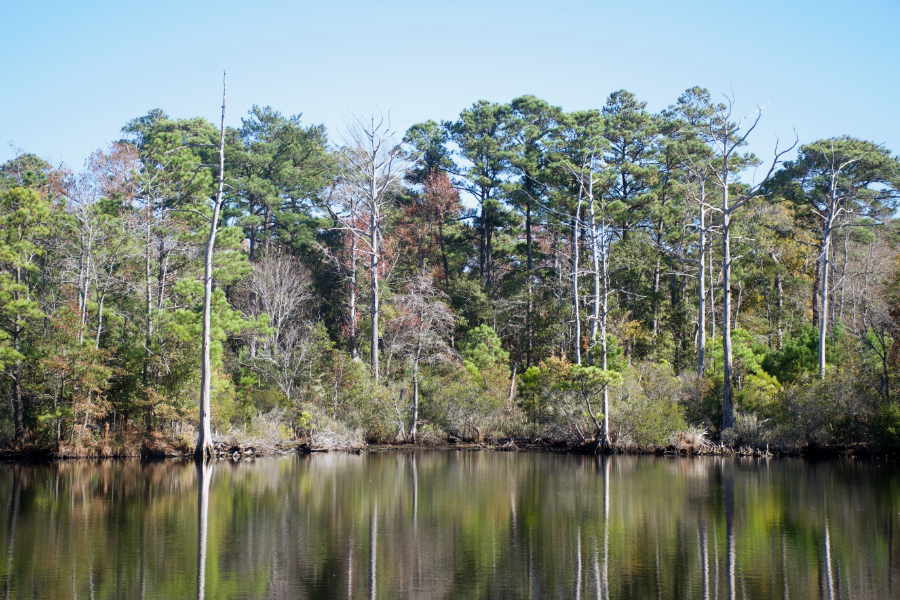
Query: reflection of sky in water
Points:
[451, 525]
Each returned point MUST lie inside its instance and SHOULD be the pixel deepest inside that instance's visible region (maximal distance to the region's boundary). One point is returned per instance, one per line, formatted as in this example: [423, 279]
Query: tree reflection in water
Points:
[450, 525]
[204, 476]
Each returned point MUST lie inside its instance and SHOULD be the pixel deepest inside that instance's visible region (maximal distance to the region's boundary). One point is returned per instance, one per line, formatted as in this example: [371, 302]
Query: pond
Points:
[447, 524]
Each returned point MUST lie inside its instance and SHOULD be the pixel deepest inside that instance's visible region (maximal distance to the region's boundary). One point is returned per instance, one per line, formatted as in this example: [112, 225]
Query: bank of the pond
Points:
[812, 451]
[157, 446]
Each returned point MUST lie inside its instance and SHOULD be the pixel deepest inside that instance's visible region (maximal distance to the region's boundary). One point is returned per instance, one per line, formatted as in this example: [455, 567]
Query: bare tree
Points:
[582, 160]
[422, 331]
[724, 137]
[97, 244]
[873, 320]
[342, 201]
[281, 288]
[204, 440]
[591, 178]
[372, 164]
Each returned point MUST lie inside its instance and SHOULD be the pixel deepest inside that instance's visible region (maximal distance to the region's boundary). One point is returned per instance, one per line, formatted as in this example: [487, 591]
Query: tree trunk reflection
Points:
[204, 475]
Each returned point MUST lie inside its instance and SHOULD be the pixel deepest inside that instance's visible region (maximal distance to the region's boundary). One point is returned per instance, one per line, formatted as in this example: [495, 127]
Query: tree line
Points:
[611, 276]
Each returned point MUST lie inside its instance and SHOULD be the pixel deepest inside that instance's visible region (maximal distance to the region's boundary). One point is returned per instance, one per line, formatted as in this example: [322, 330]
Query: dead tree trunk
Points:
[204, 440]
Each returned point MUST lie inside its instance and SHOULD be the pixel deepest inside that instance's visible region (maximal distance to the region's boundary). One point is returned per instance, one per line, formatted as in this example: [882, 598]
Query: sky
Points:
[76, 72]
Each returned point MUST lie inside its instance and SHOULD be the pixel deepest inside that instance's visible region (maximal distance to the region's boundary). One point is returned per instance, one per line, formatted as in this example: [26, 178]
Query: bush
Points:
[465, 404]
[645, 406]
[326, 432]
[748, 429]
[886, 425]
[692, 438]
[702, 400]
[829, 411]
[267, 428]
[183, 443]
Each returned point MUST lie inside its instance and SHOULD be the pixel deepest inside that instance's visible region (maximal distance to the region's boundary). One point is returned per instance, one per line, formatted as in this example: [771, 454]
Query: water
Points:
[451, 525]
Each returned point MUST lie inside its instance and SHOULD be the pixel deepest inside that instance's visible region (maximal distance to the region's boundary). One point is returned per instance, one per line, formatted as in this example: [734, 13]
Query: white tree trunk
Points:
[374, 304]
[823, 311]
[204, 440]
[701, 291]
[727, 390]
[577, 341]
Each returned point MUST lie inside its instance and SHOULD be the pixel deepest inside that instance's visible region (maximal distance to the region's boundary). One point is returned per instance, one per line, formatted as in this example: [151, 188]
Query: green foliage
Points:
[645, 405]
[800, 354]
[886, 425]
[530, 388]
[463, 404]
[429, 141]
[589, 380]
[25, 170]
[483, 351]
[756, 388]
[823, 411]
[276, 169]
[101, 281]
[860, 176]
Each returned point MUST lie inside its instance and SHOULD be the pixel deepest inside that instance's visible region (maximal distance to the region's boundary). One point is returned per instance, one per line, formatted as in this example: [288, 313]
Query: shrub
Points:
[748, 429]
[701, 399]
[692, 438]
[886, 425]
[645, 408]
[466, 404]
[832, 410]
[329, 433]
[267, 428]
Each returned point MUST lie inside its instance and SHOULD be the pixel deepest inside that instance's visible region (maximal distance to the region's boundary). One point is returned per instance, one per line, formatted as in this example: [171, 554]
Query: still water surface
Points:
[451, 525]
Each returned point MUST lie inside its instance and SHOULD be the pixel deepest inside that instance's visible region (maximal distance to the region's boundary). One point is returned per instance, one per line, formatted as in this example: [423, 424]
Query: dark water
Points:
[451, 525]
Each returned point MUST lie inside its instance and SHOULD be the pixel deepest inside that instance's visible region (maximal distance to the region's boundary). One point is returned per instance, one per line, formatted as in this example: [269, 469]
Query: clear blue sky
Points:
[75, 72]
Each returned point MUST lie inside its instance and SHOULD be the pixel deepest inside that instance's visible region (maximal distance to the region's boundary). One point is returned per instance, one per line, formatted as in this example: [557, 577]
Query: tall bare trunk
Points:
[728, 392]
[712, 296]
[354, 352]
[701, 291]
[148, 302]
[816, 300]
[414, 422]
[780, 306]
[373, 267]
[204, 440]
[529, 349]
[595, 266]
[840, 315]
[604, 349]
[99, 321]
[656, 271]
[575, 303]
[604, 354]
[823, 297]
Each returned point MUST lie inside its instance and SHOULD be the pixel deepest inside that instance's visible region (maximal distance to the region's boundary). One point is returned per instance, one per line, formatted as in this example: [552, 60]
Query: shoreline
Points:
[161, 449]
